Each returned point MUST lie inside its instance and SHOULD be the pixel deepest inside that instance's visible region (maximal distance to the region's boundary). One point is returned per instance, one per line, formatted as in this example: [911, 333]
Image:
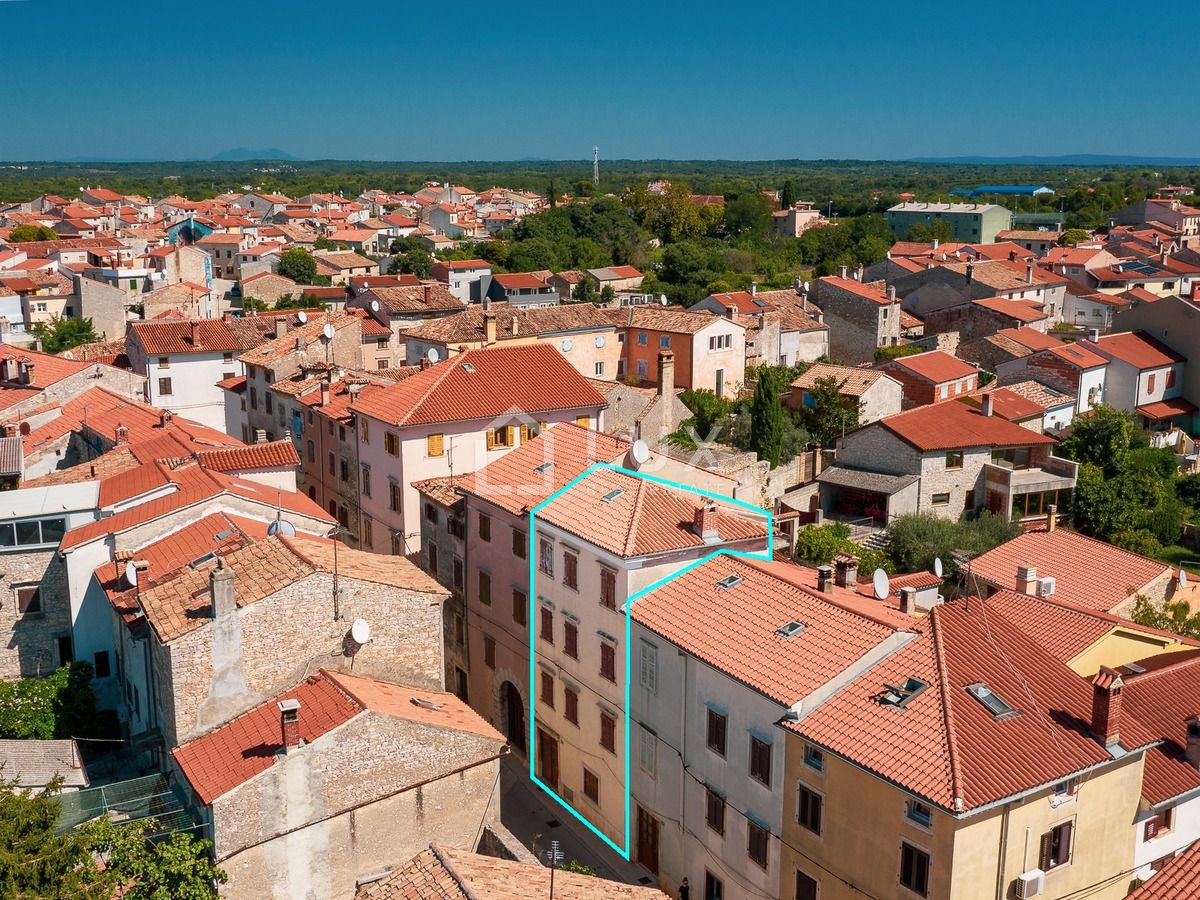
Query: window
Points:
[518, 543]
[571, 571]
[599, 371]
[228, 358]
[547, 625]
[571, 705]
[608, 733]
[434, 445]
[806, 887]
[546, 557]
[664, 341]
[1056, 847]
[369, 541]
[489, 652]
[312, 451]
[591, 786]
[1156, 825]
[814, 758]
[397, 550]
[164, 388]
[808, 811]
[29, 600]
[520, 611]
[914, 869]
[608, 588]
[394, 496]
[365, 431]
[608, 662]
[548, 689]
[32, 532]
[760, 760]
[995, 704]
[921, 813]
[1150, 383]
[720, 342]
[458, 563]
[66, 650]
[164, 362]
[716, 732]
[485, 588]
[954, 459]
[332, 463]
[641, 368]
[756, 843]
[571, 639]
[344, 469]
[391, 443]
[270, 401]
[648, 752]
[504, 436]
[366, 481]
[583, 421]
[642, 338]
[941, 499]
[714, 888]
[714, 810]
[1066, 789]
[101, 663]
[1170, 378]
[485, 527]
[648, 667]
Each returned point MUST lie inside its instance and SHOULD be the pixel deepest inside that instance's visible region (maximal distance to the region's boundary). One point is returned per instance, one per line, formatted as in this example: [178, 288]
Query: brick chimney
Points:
[1051, 516]
[324, 393]
[166, 419]
[908, 600]
[704, 523]
[666, 373]
[224, 601]
[1106, 706]
[11, 429]
[122, 435]
[428, 294]
[281, 326]
[824, 578]
[289, 724]
[1027, 580]
[195, 326]
[489, 328]
[845, 570]
[1192, 750]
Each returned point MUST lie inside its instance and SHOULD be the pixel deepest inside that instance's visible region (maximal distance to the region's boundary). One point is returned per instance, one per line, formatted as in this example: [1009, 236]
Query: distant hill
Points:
[1080, 159]
[244, 154]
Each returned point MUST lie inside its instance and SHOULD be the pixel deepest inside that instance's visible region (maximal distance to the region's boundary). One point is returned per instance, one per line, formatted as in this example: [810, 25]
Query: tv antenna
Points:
[596, 166]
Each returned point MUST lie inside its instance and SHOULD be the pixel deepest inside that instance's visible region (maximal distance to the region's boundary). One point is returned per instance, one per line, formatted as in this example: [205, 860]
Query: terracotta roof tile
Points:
[200, 336]
[936, 366]
[1180, 878]
[1135, 348]
[266, 455]
[949, 426]
[852, 381]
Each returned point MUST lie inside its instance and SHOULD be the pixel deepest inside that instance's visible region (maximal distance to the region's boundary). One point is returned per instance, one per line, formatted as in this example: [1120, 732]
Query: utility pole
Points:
[596, 166]
[556, 857]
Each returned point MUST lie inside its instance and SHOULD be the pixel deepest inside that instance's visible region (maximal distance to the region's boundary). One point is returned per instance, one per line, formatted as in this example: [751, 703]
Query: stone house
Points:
[958, 283]
[31, 380]
[861, 317]
[875, 393]
[1072, 369]
[341, 265]
[932, 376]
[336, 778]
[443, 555]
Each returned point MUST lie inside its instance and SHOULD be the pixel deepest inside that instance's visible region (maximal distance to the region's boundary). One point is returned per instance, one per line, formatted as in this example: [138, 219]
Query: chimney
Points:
[986, 403]
[324, 393]
[1192, 751]
[516, 325]
[1163, 257]
[1012, 255]
[424, 362]
[166, 419]
[1106, 706]
[1093, 334]
[935, 243]
[842, 271]
[824, 578]
[195, 323]
[704, 523]
[754, 289]
[428, 293]
[1051, 517]
[289, 724]
[666, 373]
[1029, 273]
[489, 328]
[891, 293]
[122, 435]
[908, 600]
[220, 583]
[858, 273]
[11, 429]
[1027, 580]
[281, 326]
[845, 570]
[970, 272]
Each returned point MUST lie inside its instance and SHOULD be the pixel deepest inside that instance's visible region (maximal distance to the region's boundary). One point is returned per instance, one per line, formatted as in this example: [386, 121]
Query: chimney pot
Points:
[1051, 516]
[122, 435]
[891, 293]
[224, 602]
[845, 570]
[1027, 580]
[824, 578]
[842, 270]
[289, 723]
[908, 600]
[1106, 706]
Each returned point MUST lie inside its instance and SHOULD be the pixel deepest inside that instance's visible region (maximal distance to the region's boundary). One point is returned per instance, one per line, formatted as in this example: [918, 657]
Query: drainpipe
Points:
[1000, 880]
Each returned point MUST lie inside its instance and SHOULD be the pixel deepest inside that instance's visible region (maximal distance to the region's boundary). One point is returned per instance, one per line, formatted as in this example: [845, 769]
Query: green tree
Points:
[61, 705]
[1073, 236]
[710, 412]
[928, 232]
[178, 868]
[819, 544]
[36, 862]
[748, 213]
[584, 291]
[1174, 617]
[23, 234]
[298, 264]
[826, 413]
[915, 540]
[61, 334]
[1097, 506]
[787, 196]
[417, 261]
[1100, 437]
[767, 423]
[1138, 540]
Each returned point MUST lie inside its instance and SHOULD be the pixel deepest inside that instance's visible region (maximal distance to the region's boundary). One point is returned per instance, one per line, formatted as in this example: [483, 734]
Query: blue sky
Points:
[695, 80]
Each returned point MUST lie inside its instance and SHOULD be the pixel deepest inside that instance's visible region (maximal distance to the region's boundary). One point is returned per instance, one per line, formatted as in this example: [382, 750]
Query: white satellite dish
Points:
[806, 287]
[360, 631]
[883, 586]
[640, 452]
[1182, 578]
[327, 332]
[433, 356]
[302, 317]
[282, 526]
[937, 566]
[374, 306]
[131, 573]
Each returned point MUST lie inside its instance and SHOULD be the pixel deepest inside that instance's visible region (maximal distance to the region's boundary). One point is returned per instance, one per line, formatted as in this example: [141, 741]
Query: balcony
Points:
[1024, 490]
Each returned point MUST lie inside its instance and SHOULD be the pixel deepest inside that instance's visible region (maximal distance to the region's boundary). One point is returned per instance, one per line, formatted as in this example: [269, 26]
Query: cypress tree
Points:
[766, 422]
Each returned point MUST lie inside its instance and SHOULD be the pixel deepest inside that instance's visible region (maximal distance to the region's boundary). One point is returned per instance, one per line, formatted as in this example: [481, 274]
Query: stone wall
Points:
[31, 641]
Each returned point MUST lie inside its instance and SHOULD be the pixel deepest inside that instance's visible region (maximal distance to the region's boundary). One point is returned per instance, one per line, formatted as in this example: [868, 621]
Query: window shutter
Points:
[491, 439]
[524, 433]
[1064, 851]
[1044, 854]
[512, 436]
[1151, 829]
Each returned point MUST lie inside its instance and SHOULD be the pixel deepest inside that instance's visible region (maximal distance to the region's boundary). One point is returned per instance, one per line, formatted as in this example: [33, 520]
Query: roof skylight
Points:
[994, 703]
[899, 695]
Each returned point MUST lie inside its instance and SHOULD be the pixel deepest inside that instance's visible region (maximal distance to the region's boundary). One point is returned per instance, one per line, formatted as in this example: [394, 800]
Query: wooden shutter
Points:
[524, 433]
[1064, 850]
[491, 439]
[583, 421]
[1044, 853]
[435, 444]
[1152, 828]
[512, 436]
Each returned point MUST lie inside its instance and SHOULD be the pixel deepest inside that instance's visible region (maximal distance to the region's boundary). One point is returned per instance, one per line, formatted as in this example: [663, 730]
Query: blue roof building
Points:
[1020, 190]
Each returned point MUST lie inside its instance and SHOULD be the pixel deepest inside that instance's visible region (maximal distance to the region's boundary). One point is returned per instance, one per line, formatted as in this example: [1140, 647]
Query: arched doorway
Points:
[513, 709]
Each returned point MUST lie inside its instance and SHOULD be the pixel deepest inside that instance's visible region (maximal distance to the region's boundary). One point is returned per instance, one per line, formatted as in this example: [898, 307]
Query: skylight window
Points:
[729, 581]
[994, 703]
[468, 367]
[542, 468]
[198, 562]
[612, 495]
[221, 535]
[899, 695]
[790, 629]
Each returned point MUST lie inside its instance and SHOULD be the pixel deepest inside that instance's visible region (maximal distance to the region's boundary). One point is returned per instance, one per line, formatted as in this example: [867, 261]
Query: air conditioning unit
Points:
[1030, 884]
[1046, 586]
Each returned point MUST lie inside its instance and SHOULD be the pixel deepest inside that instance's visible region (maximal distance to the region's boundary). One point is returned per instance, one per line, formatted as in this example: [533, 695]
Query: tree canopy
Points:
[61, 334]
[23, 234]
[298, 264]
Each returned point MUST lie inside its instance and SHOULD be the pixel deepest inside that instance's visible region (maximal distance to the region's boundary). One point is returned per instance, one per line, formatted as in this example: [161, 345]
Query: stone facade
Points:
[32, 647]
[229, 664]
[857, 324]
[125, 384]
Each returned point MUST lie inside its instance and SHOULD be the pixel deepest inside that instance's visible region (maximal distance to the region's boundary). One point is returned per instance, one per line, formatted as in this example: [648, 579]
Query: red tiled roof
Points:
[1178, 879]
[936, 366]
[199, 336]
[1078, 355]
[1163, 699]
[735, 630]
[482, 384]
[237, 384]
[951, 426]
[518, 280]
[1021, 310]
[1088, 573]
[1005, 403]
[1166, 409]
[1135, 348]
[1030, 338]
[874, 291]
[266, 455]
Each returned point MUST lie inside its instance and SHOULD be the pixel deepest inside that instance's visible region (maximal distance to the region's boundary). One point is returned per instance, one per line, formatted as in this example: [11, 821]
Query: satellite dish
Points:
[302, 317]
[1182, 578]
[640, 451]
[433, 356]
[282, 526]
[883, 587]
[937, 566]
[374, 306]
[806, 287]
[131, 573]
[327, 332]
[360, 631]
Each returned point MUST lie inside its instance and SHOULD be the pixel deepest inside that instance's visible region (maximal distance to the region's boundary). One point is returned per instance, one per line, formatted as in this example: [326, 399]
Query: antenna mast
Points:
[596, 166]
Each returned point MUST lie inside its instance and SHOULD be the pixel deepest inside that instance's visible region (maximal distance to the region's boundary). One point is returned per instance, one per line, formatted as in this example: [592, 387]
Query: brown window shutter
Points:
[491, 439]
[1064, 854]
[1044, 854]
[1151, 828]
